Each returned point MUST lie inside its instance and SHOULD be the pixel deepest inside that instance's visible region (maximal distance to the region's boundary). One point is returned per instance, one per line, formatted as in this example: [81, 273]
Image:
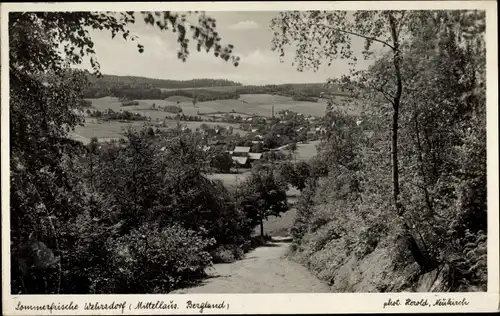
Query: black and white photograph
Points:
[247, 152]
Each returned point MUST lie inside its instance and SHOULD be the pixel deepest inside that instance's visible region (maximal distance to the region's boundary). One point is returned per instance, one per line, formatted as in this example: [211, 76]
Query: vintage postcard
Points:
[249, 157]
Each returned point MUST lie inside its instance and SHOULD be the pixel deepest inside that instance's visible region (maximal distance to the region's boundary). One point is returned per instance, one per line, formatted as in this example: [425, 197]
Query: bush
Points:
[154, 260]
[304, 98]
[129, 103]
[172, 109]
[227, 253]
[86, 103]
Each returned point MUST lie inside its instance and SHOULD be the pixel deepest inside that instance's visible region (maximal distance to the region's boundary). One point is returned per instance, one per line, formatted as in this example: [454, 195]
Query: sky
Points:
[248, 31]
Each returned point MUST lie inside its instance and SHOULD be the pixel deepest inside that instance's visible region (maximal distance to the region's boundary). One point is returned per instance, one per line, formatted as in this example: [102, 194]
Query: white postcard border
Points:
[269, 303]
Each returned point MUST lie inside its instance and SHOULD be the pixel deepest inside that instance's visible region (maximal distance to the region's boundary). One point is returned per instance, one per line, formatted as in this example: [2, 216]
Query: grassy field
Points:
[111, 129]
[256, 104]
[278, 226]
[305, 151]
[115, 129]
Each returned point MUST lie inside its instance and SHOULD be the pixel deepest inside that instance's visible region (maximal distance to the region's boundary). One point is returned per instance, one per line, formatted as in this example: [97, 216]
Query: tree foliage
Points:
[439, 88]
[63, 209]
[262, 195]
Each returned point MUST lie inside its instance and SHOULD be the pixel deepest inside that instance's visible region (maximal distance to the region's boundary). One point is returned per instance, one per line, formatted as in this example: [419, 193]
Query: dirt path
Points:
[263, 270]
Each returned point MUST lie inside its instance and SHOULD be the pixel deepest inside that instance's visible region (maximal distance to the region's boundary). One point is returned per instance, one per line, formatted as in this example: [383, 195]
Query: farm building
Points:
[243, 157]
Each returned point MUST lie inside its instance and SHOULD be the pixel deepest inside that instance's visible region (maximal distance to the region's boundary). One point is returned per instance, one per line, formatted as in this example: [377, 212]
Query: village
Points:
[245, 138]
[265, 138]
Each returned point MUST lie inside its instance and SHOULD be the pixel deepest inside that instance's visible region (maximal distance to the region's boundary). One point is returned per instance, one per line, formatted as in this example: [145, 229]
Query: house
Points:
[243, 157]
[241, 151]
[254, 156]
[241, 161]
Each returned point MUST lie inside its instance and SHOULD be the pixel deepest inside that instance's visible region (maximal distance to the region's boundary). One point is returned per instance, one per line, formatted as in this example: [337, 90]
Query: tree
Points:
[327, 36]
[435, 107]
[47, 191]
[296, 174]
[223, 162]
[293, 149]
[261, 196]
[302, 174]
[324, 36]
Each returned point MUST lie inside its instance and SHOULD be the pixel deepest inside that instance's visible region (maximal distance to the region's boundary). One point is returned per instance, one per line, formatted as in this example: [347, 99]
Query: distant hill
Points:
[140, 88]
[161, 83]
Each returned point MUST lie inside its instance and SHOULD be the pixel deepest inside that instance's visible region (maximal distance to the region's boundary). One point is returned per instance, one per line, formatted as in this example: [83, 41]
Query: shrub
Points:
[227, 253]
[172, 109]
[154, 260]
[129, 103]
[304, 98]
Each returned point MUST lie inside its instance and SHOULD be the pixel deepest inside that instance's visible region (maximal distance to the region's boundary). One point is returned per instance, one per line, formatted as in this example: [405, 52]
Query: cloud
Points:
[257, 57]
[245, 25]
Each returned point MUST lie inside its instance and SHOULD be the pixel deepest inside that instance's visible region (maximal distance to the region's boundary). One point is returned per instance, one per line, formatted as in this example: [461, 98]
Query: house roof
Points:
[255, 156]
[240, 160]
[241, 149]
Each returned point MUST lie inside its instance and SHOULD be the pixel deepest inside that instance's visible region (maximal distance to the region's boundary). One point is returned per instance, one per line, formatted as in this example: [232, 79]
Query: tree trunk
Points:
[262, 226]
[421, 257]
[422, 170]
[395, 115]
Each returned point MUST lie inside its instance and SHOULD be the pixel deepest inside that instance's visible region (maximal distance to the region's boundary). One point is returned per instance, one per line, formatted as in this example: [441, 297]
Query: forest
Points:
[110, 80]
[138, 90]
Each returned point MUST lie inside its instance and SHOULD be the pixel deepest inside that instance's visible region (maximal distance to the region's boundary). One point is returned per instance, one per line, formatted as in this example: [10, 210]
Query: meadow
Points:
[251, 104]
[305, 151]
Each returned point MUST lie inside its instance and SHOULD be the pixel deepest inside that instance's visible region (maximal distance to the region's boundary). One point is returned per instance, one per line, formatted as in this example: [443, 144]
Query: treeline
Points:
[110, 80]
[131, 92]
[110, 115]
[201, 95]
[188, 118]
[311, 91]
[137, 91]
